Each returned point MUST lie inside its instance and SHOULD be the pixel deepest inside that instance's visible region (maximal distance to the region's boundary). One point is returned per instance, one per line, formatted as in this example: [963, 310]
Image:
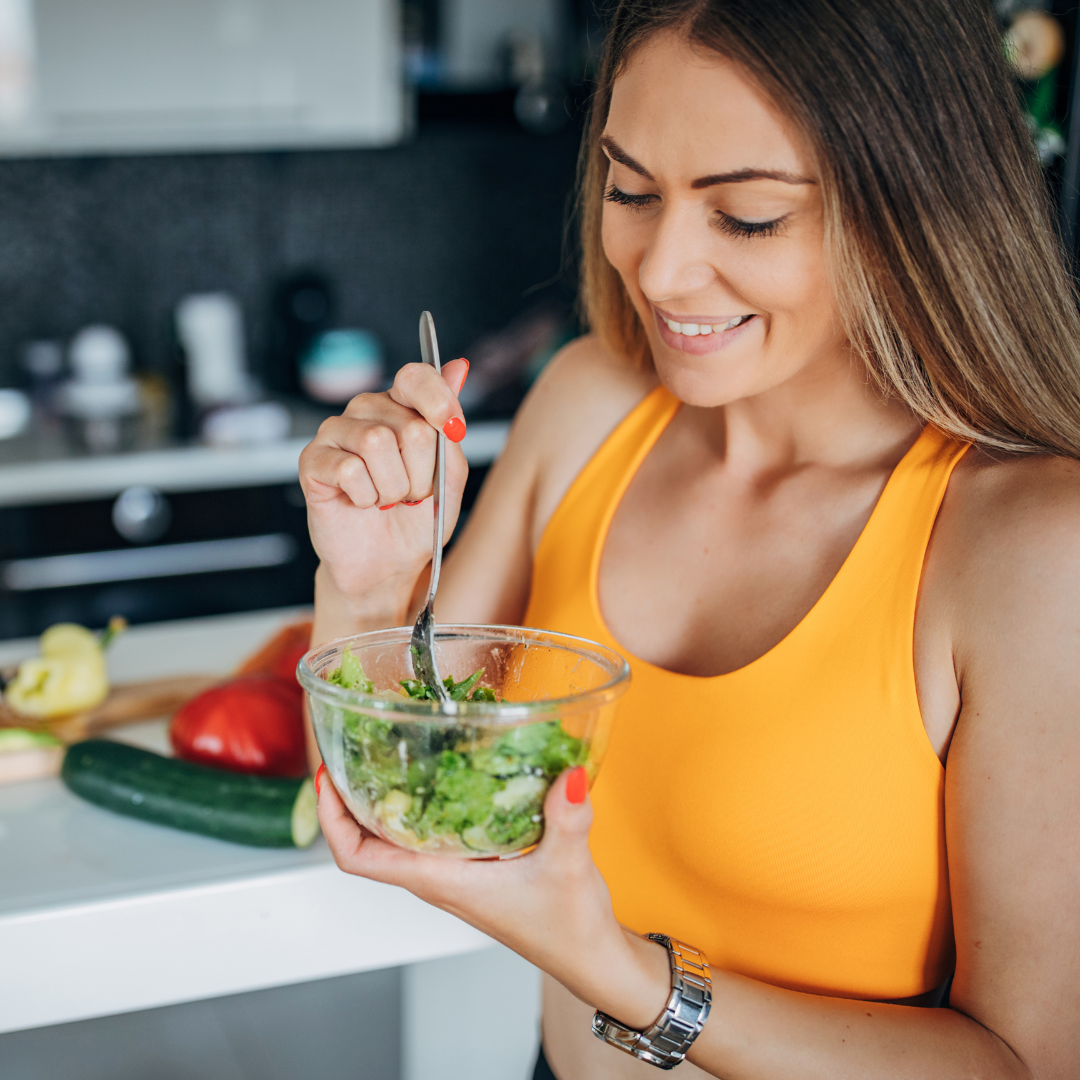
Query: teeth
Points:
[694, 329]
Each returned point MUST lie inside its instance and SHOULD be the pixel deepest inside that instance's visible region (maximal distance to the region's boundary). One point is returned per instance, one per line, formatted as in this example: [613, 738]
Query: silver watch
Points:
[665, 1043]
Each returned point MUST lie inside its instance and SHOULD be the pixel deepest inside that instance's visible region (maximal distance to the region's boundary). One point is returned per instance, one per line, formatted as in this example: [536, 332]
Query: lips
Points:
[704, 336]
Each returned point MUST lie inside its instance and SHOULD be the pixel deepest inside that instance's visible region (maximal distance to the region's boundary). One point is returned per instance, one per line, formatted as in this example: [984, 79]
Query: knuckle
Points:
[326, 430]
[353, 478]
[417, 434]
[410, 377]
[362, 405]
[378, 439]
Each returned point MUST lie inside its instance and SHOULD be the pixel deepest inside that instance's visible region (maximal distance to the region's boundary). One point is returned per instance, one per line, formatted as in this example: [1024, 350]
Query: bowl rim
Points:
[487, 711]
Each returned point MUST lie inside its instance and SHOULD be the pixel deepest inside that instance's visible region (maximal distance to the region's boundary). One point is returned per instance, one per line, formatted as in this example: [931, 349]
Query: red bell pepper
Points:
[250, 724]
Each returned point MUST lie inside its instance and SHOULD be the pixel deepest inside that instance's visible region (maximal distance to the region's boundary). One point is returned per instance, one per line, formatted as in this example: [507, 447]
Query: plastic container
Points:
[468, 778]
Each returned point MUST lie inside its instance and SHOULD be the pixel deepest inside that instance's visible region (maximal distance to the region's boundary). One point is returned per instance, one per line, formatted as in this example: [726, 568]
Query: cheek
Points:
[790, 283]
[623, 244]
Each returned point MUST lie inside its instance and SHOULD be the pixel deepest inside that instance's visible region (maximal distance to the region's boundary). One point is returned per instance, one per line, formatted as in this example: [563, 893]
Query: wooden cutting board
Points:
[127, 703]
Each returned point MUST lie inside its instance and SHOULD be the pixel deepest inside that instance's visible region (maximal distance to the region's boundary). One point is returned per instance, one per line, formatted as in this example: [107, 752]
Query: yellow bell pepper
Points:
[69, 675]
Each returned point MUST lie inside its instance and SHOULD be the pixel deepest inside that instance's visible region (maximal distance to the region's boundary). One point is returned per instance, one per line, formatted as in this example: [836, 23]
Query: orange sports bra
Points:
[786, 818]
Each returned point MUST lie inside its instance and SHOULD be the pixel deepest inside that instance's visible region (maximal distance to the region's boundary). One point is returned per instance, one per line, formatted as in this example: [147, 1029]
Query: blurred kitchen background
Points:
[219, 219]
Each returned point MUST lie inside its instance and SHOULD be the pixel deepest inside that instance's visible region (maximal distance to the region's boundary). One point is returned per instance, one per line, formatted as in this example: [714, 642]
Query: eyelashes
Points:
[624, 198]
[737, 227]
[725, 222]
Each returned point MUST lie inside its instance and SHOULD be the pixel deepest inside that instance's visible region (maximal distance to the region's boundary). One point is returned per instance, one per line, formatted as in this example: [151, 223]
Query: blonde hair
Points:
[948, 274]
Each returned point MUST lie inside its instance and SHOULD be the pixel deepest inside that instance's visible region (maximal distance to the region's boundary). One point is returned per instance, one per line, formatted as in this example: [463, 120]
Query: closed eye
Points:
[625, 198]
[734, 226]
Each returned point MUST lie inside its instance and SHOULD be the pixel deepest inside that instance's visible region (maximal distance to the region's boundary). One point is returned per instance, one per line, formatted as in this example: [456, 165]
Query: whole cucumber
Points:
[264, 811]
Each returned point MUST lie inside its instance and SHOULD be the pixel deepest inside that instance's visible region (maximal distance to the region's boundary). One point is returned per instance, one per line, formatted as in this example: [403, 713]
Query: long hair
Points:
[949, 277]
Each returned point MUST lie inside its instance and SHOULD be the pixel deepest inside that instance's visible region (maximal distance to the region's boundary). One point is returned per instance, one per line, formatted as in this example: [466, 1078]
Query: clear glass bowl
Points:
[463, 778]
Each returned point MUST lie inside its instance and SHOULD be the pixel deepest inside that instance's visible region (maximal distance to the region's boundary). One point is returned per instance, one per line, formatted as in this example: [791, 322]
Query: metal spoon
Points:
[422, 645]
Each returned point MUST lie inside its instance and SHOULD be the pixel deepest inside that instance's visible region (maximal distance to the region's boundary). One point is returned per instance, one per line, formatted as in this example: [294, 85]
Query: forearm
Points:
[760, 1032]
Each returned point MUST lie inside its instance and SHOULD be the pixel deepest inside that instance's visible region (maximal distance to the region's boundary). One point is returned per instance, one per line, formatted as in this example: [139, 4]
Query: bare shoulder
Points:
[1010, 542]
[1023, 504]
[583, 386]
[577, 402]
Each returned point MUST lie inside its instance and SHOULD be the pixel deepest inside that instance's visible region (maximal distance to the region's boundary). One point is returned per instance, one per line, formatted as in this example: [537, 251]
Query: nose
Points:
[677, 262]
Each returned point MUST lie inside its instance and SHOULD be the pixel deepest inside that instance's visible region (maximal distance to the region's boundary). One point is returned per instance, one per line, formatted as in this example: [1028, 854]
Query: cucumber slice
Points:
[264, 811]
[305, 815]
[16, 739]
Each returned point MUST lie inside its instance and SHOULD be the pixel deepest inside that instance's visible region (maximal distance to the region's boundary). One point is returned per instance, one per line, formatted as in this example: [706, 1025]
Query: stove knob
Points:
[141, 515]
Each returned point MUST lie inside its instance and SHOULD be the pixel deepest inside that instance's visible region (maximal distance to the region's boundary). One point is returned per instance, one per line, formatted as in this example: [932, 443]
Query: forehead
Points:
[685, 111]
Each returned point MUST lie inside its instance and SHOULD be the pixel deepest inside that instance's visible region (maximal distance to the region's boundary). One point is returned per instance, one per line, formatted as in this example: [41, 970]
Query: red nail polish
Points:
[454, 429]
[466, 375]
[388, 506]
[417, 503]
[318, 780]
[577, 785]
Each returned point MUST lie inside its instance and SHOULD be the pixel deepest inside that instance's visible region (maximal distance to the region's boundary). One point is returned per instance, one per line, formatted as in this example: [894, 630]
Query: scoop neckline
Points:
[843, 571]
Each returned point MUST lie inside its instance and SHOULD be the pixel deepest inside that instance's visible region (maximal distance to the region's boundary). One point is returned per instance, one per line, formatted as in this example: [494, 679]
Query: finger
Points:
[417, 440]
[421, 387]
[568, 816]
[341, 830]
[454, 373]
[378, 446]
[359, 852]
[374, 442]
[327, 471]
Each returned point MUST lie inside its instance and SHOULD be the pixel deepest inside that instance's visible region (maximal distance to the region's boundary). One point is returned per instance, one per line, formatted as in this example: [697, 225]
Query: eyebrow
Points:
[739, 176]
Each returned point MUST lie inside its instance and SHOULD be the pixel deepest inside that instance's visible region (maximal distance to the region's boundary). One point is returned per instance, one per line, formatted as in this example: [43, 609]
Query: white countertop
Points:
[102, 914]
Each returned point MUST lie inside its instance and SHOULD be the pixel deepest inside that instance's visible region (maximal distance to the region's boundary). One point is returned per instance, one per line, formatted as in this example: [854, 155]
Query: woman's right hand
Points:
[367, 477]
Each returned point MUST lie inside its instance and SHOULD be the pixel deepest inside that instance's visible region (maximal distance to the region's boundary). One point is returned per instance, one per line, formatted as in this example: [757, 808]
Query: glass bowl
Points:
[465, 778]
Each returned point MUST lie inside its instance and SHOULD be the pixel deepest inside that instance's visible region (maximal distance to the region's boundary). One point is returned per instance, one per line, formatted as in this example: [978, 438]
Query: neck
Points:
[828, 414]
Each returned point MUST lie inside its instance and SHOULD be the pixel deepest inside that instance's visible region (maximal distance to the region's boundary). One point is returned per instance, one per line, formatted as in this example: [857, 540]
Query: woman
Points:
[814, 472]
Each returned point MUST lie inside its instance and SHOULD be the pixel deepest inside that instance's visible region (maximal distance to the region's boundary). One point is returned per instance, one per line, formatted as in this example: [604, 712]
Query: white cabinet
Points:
[157, 75]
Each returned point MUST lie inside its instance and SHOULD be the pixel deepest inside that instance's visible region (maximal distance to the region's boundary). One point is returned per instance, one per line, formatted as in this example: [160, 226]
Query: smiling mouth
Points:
[701, 329]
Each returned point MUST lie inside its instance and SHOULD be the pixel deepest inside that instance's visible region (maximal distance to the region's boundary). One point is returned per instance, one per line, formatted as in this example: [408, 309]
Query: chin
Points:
[706, 382]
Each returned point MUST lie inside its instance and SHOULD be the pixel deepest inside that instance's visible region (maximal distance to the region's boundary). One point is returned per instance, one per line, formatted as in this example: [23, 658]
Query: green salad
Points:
[465, 788]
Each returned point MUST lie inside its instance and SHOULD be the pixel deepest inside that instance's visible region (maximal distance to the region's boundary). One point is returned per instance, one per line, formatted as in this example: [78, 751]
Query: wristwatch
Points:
[665, 1043]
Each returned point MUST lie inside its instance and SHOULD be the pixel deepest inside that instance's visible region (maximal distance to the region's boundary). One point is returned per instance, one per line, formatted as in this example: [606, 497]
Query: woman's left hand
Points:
[551, 906]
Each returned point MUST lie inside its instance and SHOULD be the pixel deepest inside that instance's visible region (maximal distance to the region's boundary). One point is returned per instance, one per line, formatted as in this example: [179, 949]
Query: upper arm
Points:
[581, 396]
[1012, 797]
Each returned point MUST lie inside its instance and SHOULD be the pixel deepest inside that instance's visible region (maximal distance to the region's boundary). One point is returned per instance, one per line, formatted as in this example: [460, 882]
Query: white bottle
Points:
[211, 330]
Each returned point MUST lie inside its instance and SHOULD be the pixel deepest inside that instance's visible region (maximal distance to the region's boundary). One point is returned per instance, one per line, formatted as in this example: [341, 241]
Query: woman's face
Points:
[713, 218]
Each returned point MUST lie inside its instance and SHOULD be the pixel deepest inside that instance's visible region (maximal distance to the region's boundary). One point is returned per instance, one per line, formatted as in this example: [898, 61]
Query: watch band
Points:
[665, 1043]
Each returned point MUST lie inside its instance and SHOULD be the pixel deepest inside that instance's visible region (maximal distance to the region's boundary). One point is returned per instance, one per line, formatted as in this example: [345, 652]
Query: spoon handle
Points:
[429, 349]
[439, 495]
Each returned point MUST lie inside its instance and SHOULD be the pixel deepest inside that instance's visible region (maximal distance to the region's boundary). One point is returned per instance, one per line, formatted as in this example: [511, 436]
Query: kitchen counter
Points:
[34, 474]
[101, 914]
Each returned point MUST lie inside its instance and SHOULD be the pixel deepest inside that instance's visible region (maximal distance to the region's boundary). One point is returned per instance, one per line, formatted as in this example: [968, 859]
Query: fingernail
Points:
[417, 503]
[577, 785]
[454, 429]
[466, 375]
[318, 780]
[388, 506]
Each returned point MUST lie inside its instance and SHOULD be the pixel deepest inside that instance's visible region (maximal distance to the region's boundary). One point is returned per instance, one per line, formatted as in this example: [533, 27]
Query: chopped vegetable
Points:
[28, 755]
[69, 676]
[15, 740]
[471, 788]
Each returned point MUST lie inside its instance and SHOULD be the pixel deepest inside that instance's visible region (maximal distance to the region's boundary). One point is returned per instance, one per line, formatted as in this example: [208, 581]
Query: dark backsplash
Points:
[465, 220]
